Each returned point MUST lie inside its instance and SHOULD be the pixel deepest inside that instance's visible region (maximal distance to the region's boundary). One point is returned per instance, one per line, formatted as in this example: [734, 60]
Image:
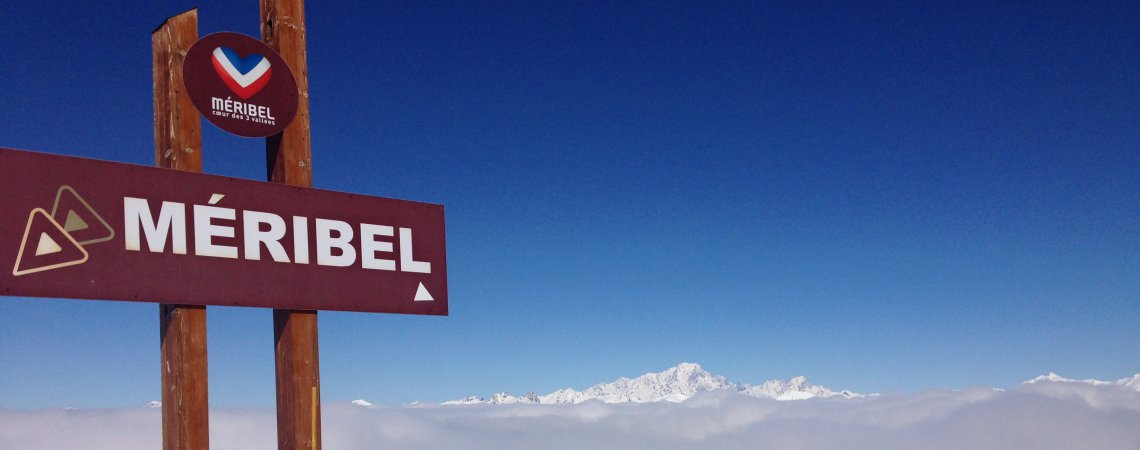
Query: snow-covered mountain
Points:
[796, 388]
[1132, 382]
[675, 384]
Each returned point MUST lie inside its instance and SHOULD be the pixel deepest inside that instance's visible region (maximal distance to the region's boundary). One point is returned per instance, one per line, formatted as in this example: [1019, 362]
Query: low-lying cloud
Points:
[1039, 416]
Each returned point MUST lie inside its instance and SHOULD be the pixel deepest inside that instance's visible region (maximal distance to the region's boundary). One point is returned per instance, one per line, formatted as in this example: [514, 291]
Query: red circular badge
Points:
[240, 84]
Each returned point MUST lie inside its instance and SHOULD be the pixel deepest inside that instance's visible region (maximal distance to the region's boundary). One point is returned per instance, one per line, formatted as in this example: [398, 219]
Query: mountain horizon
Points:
[675, 384]
[681, 382]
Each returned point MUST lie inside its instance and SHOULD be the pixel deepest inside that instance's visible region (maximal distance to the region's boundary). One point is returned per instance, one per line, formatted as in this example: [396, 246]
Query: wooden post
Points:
[178, 145]
[288, 158]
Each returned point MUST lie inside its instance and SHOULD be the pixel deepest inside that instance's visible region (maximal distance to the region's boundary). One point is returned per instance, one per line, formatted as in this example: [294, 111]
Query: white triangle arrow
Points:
[47, 246]
[422, 294]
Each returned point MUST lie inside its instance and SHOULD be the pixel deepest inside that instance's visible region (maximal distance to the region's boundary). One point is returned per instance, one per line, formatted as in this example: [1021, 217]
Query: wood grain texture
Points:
[289, 160]
[178, 145]
[177, 125]
[185, 405]
[288, 154]
[298, 379]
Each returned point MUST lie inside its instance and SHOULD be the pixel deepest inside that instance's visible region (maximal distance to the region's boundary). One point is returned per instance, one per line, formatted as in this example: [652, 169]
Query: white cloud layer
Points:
[1038, 416]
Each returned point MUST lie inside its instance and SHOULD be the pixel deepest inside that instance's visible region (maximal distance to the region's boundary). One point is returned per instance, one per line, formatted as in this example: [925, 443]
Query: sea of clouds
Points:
[1037, 416]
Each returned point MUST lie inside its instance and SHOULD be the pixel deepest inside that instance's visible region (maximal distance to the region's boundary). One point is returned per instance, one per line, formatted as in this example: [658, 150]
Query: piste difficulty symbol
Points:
[55, 245]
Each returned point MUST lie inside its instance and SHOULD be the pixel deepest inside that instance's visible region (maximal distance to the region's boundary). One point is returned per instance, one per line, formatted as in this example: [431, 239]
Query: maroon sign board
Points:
[88, 229]
[240, 84]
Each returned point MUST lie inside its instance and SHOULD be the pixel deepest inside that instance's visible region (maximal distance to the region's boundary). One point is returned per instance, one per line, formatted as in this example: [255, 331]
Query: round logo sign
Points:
[240, 84]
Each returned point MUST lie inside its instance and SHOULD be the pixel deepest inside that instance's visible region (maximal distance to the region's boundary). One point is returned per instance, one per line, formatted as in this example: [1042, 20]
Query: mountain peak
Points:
[797, 388]
[688, 367]
[1049, 377]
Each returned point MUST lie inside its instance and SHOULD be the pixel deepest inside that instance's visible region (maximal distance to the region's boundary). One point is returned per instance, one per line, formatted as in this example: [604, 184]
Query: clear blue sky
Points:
[881, 197]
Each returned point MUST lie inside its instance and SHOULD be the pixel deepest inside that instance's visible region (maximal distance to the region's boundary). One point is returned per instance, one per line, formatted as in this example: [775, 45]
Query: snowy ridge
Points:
[1132, 382]
[675, 384]
[796, 388]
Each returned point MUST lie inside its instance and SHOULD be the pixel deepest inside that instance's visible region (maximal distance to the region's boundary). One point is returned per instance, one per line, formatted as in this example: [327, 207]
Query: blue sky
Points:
[881, 197]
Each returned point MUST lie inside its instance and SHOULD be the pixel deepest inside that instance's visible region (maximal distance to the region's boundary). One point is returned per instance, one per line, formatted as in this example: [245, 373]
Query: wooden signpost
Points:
[186, 240]
[178, 145]
[288, 157]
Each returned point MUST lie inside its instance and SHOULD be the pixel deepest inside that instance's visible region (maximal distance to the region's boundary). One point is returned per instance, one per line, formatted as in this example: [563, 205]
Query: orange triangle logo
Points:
[79, 219]
[52, 247]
